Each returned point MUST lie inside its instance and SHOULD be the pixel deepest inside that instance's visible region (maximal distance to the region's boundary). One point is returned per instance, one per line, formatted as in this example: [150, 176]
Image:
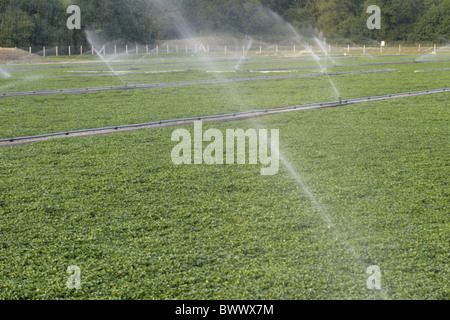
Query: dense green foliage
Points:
[43, 22]
[140, 227]
[366, 184]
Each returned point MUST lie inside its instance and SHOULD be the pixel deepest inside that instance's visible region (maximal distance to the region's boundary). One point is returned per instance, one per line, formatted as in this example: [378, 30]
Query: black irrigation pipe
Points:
[346, 65]
[232, 116]
[183, 83]
[132, 63]
[177, 61]
[126, 72]
[164, 65]
[137, 66]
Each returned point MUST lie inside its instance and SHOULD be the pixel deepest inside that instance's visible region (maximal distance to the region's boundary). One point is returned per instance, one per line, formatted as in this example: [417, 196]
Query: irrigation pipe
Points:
[213, 118]
[184, 83]
[165, 65]
[346, 65]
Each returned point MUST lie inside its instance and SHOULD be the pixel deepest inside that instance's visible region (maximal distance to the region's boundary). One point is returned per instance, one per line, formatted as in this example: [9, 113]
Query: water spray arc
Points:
[90, 38]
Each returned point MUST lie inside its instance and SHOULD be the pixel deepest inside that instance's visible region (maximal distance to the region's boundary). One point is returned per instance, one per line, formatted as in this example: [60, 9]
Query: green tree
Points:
[434, 25]
[332, 13]
[16, 28]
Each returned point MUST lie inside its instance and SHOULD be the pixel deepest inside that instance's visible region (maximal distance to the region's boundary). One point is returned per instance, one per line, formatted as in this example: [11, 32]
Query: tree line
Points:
[43, 22]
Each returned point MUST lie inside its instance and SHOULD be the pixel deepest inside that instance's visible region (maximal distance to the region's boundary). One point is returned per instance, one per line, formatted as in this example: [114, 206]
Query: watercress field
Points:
[140, 227]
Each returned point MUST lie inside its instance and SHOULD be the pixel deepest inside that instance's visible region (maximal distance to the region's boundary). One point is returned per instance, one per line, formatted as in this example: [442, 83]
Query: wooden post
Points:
[399, 48]
[419, 47]
[126, 49]
[69, 51]
[29, 49]
[43, 51]
[348, 48]
[146, 48]
[81, 50]
[167, 48]
[137, 49]
[92, 50]
[260, 49]
[157, 49]
[364, 49]
[56, 50]
[115, 50]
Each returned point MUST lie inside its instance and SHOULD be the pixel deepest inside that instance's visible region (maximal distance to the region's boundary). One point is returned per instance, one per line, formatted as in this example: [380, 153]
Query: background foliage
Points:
[43, 22]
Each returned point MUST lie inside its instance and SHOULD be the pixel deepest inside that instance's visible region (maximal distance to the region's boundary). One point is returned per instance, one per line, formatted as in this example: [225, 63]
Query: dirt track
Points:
[12, 55]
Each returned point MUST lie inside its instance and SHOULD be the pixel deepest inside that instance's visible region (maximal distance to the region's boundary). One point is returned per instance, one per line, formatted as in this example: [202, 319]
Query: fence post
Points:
[126, 49]
[81, 50]
[157, 49]
[56, 50]
[364, 50]
[146, 48]
[92, 50]
[419, 47]
[69, 51]
[167, 48]
[348, 48]
[43, 51]
[115, 50]
[399, 48]
[137, 49]
[29, 49]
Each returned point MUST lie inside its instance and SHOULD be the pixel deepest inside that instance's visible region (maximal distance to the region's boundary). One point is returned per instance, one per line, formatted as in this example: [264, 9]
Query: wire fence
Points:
[232, 49]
